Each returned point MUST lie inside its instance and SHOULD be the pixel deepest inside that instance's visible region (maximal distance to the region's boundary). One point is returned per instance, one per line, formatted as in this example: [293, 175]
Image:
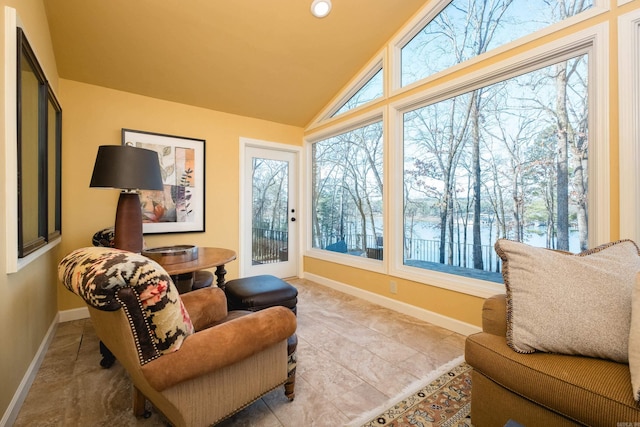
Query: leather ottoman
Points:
[260, 292]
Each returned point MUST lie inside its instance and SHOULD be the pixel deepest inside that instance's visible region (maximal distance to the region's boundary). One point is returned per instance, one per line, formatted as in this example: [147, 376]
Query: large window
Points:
[39, 118]
[501, 131]
[347, 181]
[467, 28]
[509, 160]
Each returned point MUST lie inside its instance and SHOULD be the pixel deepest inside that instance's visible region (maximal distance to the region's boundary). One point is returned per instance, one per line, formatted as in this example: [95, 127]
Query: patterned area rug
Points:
[444, 402]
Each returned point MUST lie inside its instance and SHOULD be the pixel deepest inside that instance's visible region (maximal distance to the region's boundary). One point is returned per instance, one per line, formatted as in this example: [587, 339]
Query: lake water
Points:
[534, 236]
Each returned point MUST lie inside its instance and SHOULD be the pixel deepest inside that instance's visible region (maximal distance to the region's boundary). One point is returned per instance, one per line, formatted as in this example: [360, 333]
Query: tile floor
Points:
[352, 357]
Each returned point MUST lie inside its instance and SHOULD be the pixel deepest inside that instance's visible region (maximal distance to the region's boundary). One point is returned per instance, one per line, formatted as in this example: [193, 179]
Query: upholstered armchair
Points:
[194, 361]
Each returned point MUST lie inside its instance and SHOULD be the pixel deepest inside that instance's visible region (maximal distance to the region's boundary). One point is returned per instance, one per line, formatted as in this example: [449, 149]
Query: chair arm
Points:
[220, 346]
[494, 315]
[205, 306]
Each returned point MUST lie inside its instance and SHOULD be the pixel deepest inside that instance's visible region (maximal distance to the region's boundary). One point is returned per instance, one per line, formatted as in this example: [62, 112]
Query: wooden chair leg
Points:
[289, 387]
[292, 362]
[140, 404]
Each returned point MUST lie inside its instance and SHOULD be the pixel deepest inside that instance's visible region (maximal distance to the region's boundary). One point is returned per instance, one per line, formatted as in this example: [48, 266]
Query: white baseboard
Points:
[73, 314]
[454, 325]
[12, 411]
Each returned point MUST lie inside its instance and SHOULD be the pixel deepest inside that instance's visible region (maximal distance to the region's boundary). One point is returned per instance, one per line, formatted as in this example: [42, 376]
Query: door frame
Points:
[296, 169]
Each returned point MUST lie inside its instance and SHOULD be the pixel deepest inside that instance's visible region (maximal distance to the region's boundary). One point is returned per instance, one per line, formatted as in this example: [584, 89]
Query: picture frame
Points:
[180, 207]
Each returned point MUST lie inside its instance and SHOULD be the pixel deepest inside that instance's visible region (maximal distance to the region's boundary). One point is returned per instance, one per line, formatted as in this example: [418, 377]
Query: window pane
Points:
[53, 167]
[371, 90]
[347, 175]
[505, 161]
[39, 121]
[465, 29]
[29, 170]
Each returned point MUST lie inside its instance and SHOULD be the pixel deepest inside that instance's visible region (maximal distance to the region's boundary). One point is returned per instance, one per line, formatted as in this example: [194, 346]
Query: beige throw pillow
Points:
[634, 340]
[570, 304]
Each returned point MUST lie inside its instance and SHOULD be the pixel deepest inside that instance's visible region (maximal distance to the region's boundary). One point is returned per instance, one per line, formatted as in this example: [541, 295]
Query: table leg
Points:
[184, 282]
[220, 272]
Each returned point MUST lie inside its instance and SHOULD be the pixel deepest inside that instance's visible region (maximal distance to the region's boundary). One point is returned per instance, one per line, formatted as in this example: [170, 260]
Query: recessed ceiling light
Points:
[320, 8]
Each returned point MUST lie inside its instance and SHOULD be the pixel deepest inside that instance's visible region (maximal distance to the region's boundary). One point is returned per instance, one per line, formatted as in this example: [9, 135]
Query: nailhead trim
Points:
[136, 339]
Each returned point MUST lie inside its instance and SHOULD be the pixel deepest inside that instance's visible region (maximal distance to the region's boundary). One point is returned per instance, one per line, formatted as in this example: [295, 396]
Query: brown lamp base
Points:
[128, 227]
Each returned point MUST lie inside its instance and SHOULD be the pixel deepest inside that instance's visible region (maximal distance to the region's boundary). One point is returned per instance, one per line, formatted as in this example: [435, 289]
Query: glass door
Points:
[270, 213]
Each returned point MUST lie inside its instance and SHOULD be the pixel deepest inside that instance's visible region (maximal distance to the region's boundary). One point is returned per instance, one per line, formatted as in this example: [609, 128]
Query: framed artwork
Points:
[179, 208]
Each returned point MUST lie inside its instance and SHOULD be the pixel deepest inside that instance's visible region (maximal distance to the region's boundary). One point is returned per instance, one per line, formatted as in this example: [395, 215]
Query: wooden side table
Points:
[207, 258]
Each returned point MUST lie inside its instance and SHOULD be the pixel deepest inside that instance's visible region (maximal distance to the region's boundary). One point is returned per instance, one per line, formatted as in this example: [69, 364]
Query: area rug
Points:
[441, 399]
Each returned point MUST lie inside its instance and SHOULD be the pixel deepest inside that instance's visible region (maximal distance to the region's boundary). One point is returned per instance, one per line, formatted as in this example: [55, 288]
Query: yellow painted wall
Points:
[94, 116]
[27, 298]
[448, 303]
[456, 305]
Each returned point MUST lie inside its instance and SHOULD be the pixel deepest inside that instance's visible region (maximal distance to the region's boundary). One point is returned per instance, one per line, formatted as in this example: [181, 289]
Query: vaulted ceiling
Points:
[267, 59]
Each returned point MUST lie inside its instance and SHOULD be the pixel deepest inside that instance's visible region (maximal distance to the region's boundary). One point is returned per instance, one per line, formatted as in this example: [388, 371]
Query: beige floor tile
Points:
[352, 357]
[327, 377]
[360, 400]
[308, 409]
[256, 415]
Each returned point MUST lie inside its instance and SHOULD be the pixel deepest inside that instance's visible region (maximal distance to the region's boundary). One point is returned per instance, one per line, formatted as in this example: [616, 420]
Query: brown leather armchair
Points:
[194, 361]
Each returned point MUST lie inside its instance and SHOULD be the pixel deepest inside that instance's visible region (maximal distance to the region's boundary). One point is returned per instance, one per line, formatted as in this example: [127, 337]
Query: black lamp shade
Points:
[126, 167]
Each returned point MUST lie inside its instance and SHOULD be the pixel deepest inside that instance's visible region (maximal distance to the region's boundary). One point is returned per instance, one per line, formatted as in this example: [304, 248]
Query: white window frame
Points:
[629, 122]
[377, 115]
[593, 41]
[367, 73]
[432, 9]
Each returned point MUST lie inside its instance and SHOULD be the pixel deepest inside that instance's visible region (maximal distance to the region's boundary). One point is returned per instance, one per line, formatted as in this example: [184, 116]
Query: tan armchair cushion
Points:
[205, 306]
[220, 346]
[587, 390]
[494, 315]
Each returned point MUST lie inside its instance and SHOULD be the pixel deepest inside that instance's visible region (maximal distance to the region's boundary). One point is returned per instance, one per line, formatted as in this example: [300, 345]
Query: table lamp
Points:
[130, 169]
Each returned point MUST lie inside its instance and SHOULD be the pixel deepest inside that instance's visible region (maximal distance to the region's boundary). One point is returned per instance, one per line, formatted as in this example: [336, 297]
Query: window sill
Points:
[355, 261]
[452, 282]
[23, 262]
[466, 285]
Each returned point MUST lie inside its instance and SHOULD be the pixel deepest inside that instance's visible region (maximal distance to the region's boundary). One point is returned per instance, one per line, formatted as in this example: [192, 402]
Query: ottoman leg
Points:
[107, 357]
[290, 384]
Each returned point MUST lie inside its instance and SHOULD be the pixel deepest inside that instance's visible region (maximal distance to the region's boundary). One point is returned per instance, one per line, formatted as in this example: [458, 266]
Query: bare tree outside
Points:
[478, 148]
[372, 89]
[509, 146]
[467, 28]
[507, 160]
[270, 204]
[347, 191]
